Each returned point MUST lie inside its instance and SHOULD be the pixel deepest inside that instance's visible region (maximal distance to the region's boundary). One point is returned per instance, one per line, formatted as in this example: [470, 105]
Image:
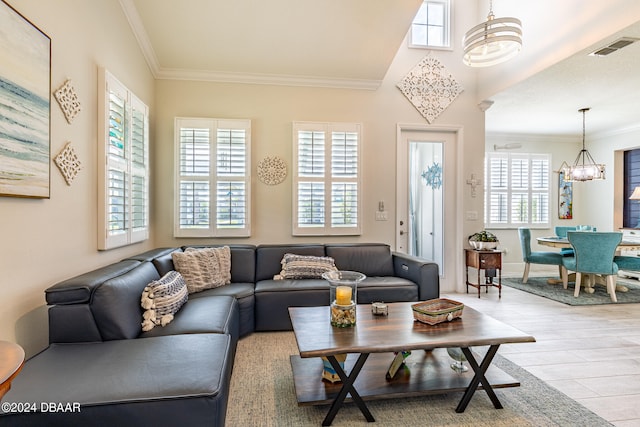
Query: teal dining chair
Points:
[561, 231]
[594, 254]
[536, 257]
[628, 263]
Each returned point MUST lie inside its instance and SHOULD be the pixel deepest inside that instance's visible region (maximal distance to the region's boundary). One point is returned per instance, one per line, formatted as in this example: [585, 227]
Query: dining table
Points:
[563, 242]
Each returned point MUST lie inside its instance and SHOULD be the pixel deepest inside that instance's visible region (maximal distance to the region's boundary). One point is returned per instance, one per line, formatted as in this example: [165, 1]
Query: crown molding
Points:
[266, 79]
[141, 36]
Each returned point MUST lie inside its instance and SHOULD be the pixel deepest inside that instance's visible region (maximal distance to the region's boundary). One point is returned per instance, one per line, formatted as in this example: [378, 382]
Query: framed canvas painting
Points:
[25, 87]
[565, 197]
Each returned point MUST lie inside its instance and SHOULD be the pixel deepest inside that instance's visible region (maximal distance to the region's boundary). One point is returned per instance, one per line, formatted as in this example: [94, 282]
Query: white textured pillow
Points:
[204, 268]
[161, 299]
[304, 267]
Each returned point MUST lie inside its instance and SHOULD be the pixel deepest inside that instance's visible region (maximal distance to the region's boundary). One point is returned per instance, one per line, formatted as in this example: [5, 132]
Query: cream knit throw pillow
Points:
[204, 268]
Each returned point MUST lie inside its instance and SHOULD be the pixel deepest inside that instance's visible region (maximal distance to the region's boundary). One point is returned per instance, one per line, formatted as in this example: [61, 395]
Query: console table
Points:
[484, 260]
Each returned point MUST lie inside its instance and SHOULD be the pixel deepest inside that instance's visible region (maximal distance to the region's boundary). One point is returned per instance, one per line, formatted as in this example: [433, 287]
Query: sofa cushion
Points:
[304, 267]
[387, 289]
[161, 299]
[210, 315]
[116, 303]
[204, 268]
[170, 380]
[370, 259]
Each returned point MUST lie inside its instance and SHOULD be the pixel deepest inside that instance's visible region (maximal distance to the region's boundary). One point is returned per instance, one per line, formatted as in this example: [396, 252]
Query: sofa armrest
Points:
[420, 271]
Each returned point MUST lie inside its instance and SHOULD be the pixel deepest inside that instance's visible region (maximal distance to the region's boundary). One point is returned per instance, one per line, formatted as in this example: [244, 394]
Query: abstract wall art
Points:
[25, 87]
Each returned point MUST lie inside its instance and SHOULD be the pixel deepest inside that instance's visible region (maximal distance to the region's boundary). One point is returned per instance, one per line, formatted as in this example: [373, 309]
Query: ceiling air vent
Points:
[616, 45]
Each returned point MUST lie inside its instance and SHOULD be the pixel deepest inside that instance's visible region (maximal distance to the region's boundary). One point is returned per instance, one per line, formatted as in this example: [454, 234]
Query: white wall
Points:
[272, 109]
[48, 240]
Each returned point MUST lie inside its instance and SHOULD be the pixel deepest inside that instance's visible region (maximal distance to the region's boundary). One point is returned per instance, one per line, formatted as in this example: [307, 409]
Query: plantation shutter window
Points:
[518, 190]
[327, 182]
[213, 178]
[124, 173]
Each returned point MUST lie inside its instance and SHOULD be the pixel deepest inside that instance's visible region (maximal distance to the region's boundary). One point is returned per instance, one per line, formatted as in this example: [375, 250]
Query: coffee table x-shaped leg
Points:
[348, 380]
[479, 377]
[347, 388]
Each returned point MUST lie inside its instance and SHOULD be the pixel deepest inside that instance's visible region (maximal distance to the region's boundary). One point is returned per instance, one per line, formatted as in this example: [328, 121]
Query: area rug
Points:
[262, 394]
[540, 286]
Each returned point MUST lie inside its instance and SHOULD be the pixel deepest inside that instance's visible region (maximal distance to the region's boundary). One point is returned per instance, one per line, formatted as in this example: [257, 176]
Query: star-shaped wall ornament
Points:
[430, 88]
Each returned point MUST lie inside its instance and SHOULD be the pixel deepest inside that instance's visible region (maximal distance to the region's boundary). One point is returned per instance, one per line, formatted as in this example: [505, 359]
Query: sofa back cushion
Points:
[116, 303]
[370, 259]
[269, 257]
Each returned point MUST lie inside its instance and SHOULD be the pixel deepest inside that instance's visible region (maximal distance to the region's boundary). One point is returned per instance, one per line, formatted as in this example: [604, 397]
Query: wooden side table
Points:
[484, 260]
[11, 361]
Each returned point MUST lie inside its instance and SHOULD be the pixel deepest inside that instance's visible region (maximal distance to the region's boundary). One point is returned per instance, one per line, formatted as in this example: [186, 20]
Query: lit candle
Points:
[343, 295]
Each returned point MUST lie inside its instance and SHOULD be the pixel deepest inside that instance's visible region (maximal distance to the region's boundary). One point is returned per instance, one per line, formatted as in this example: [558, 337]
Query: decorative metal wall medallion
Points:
[430, 88]
[68, 100]
[272, 170]
[68, 163]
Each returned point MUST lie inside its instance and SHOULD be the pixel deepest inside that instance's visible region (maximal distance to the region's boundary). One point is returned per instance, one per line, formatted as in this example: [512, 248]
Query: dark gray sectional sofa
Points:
[179, 374]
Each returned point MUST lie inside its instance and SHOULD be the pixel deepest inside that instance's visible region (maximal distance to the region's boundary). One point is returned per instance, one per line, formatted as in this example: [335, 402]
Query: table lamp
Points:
[636, 196]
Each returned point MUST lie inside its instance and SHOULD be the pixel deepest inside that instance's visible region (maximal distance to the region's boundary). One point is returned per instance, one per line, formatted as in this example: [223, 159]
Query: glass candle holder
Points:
[343, 296]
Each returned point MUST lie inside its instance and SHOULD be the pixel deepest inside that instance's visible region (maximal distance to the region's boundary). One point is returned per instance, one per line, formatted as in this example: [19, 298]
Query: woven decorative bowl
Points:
[437, 311]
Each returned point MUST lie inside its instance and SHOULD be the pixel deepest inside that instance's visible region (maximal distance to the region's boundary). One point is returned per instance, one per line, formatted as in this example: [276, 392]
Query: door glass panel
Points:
[426, 201]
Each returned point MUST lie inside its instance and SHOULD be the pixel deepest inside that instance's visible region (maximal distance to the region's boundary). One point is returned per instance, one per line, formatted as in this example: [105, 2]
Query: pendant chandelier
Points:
[584, 167]
[493, 41]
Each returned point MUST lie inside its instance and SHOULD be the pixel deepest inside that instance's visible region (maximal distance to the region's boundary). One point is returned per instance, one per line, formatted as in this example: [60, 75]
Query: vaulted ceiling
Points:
[351, 43]
[341, 43]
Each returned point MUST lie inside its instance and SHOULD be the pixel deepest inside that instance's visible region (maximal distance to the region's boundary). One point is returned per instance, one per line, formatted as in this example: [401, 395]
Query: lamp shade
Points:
[636, 194]
[584, 167]
[492, 42]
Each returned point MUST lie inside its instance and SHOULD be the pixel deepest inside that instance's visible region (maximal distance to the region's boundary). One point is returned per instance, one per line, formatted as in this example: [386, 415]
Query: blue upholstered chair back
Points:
[594, 251]
[561, 231]
[525, 242]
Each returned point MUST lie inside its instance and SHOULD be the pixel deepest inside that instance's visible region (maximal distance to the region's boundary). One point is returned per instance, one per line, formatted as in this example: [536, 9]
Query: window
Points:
[326, 184]
[213, 178]
[430, 27]
[517, 190]
[124, 172]
[631, 208]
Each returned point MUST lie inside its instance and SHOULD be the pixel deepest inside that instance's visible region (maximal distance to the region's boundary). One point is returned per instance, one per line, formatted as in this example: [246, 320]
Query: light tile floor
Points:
[590, 353]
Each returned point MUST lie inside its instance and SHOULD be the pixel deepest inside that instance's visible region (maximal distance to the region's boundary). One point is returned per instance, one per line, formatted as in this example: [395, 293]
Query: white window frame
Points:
[213, 177]
[123, 203]
[325, 227]
[512, 187]
[447, 24]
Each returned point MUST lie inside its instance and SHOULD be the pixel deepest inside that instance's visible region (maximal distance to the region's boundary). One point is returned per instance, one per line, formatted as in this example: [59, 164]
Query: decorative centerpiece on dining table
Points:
[343, 291]
[483, 240]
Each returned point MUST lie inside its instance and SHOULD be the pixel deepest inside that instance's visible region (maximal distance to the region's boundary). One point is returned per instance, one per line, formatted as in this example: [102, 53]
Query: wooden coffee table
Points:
[379, 337]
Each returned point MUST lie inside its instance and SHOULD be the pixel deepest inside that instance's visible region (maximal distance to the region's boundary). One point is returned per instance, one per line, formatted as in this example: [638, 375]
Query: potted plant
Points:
[483, 240]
